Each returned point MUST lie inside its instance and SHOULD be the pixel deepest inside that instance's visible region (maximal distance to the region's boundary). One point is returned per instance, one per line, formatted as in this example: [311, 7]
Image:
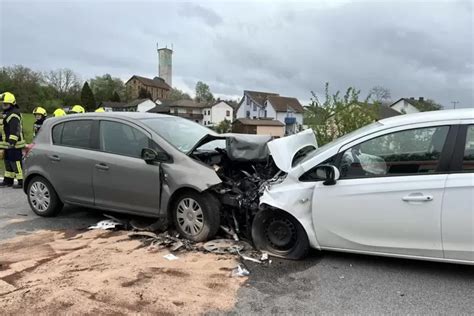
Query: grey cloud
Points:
[414, 48]
[209, 17]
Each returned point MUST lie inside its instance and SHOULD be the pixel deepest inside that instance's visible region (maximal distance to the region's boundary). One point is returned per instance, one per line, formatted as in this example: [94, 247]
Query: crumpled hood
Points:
[283, 150]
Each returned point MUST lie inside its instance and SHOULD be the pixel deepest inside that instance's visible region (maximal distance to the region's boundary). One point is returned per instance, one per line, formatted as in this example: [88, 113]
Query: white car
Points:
[401, 187]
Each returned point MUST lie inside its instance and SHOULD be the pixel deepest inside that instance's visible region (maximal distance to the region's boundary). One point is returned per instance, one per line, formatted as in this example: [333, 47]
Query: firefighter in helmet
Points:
[77, 109]
[40, 115]
[59, 112]
[12, 141]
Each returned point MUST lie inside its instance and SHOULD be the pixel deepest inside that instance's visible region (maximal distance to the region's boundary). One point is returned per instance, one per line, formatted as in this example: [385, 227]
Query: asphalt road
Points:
[324, 283]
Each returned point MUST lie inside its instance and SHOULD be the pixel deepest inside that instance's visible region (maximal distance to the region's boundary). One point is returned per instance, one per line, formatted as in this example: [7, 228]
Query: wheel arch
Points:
[32, 175]
[306, 223]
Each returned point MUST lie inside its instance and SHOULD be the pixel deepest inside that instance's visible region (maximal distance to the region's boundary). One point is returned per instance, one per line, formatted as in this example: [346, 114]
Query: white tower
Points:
[165, 67]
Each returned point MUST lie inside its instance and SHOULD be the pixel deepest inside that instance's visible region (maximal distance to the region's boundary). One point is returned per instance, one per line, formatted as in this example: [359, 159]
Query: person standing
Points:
[12, 141]
[40, 115]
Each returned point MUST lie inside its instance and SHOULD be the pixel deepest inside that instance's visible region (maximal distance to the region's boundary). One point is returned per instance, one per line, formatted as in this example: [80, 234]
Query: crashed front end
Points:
[248, 166]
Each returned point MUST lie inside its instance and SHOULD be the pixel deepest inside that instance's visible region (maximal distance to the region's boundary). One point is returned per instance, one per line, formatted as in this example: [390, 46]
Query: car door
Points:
[122, 180]
[69, 164]
[389, 196]
[458, 205]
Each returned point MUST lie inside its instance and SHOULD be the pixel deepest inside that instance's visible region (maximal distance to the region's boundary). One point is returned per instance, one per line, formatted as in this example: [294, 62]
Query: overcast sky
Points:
[413, 48]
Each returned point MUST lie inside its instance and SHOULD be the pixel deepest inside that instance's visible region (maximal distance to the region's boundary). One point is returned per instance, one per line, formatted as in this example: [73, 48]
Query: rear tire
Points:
[42, 197]
[280, 234]
[196, 215]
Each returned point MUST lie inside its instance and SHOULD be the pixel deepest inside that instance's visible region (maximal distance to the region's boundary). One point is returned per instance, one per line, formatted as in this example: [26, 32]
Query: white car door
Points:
[458, 205]
[389, 196]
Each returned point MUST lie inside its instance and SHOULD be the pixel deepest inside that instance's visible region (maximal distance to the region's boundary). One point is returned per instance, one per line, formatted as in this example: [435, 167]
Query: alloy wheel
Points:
[40, 197]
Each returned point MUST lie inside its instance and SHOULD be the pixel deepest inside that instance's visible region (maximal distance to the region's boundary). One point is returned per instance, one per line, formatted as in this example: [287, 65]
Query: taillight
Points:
[27, 149]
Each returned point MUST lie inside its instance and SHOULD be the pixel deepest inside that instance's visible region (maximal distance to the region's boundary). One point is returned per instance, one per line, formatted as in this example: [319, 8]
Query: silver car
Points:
[148, 164]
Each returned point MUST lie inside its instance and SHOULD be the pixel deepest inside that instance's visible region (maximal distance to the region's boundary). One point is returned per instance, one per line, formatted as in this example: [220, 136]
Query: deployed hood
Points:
[284, 150]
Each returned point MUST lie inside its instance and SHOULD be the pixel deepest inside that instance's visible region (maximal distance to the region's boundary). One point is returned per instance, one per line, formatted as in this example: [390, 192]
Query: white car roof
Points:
[430, 116]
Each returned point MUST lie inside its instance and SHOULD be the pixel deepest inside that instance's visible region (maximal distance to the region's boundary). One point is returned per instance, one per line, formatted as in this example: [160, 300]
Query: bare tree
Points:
[64, 81]
[380, 94]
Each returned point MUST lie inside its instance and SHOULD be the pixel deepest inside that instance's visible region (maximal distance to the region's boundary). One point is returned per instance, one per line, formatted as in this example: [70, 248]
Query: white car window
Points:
[415, 151]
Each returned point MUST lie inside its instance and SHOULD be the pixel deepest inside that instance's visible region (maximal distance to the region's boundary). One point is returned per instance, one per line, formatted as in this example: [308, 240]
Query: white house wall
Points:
[219, 111]
[403, 106]
[146, 106]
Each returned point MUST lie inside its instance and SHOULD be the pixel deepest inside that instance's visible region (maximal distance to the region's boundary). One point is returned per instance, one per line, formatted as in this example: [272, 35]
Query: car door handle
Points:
[102, 166]
[417, 197]
[54, 158]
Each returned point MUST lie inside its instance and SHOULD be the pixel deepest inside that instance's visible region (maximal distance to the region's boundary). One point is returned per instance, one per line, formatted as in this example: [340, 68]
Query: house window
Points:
[265, 113]
[254, 117]
[248, 100]
[227, 113]
[254, 107]
[209, 112]
[247, 114]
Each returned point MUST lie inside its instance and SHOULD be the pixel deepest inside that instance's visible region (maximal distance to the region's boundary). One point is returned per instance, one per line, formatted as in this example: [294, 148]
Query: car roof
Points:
[131, 115]
[431, 116]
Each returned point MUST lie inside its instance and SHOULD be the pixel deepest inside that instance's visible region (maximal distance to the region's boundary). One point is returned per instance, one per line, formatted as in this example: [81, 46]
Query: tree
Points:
[203, 93]
[224, 126]
[87, 98]
[28, 86]
[105, 86]
[144, 94]
[338, 115]
[64, 81]
[426, 105]
[176, 94]
[380, 94]
[115, 97]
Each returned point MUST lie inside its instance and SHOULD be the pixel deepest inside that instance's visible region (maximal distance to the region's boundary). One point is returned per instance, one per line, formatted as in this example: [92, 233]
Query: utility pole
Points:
[454, 103]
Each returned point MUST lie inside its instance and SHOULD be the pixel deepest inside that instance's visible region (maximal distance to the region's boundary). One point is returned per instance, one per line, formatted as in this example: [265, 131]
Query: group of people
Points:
[12, 140]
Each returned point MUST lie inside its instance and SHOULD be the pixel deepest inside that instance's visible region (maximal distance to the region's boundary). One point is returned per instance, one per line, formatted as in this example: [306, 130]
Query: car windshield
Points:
[181, 133]
[340, 140]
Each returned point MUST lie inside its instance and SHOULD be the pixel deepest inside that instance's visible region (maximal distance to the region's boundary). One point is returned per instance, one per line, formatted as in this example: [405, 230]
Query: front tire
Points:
[196, 215]
[280, 234]
[42, 198]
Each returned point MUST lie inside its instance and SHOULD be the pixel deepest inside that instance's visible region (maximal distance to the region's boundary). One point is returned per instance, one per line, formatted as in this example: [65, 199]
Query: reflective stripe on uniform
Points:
[19, 174]
[13, 137]
[9, 174]
[20, 144]
[4, 145]
[13, 115]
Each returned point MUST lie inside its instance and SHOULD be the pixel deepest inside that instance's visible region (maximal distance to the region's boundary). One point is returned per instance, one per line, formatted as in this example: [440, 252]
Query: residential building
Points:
[156, 87]
[188, 109]
[407, 105]
[287, 110]
[260, 126]
[216, 113]
[138, 105]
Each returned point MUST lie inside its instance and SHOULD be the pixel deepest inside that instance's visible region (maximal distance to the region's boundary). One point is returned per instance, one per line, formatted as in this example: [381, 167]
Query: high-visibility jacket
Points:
[12, 135]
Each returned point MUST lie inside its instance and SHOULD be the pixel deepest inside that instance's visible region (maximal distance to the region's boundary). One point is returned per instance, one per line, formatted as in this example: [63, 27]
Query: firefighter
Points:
[77, 109]
[59, 112]
[40, 116]
[100, 110]
[12, 141]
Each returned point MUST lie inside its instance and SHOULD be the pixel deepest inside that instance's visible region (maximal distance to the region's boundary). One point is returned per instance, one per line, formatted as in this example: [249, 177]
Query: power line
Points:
[454, 103]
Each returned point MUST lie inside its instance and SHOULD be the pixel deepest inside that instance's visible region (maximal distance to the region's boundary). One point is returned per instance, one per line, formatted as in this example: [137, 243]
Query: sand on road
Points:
[103, 272]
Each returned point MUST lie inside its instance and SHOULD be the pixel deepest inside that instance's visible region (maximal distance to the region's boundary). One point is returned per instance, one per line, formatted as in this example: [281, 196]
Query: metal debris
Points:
[223, 246]
[106, 224]
[156, 242]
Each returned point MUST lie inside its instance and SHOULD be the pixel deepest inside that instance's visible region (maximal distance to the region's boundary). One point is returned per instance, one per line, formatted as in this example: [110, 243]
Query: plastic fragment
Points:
[170, 257]
[240, 271]
[264, 256]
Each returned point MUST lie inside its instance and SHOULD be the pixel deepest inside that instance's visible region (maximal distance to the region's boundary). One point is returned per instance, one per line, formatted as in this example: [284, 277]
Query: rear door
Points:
[69, 161]
[122, 180]
[389, 196]
[458, 206]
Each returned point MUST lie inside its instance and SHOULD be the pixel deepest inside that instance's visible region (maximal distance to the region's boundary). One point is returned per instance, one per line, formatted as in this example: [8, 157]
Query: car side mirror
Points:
[329, 173]
[150, 156]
